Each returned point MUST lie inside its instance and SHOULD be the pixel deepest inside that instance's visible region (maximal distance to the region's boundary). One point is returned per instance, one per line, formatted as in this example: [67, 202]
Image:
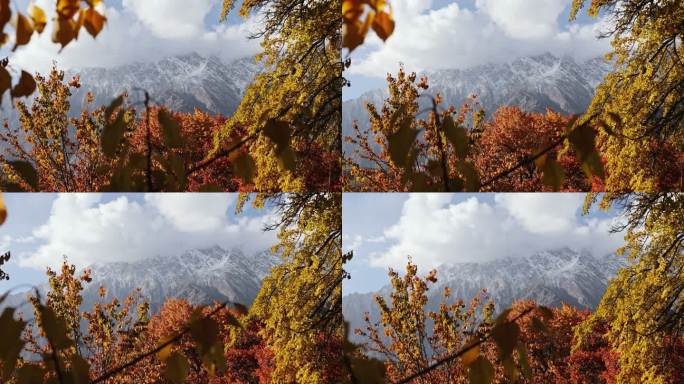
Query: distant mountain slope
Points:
[532, 83]
[551, 278]
[182, 83]
[201, 276]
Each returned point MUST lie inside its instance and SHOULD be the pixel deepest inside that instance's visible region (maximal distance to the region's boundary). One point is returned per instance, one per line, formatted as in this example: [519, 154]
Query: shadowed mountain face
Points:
[550, 278]
[201, 276]
[532, 83]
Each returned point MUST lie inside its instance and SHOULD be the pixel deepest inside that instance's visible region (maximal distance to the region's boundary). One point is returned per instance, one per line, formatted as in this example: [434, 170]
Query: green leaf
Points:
[116, 103]
[79, 372]
[510, 370]
[26, 171]
[210, 188]
[204, 330]
[552, 173]
[457, 136]
[480, 371]
[367, 370]
[55, 329]
[170, 129]
[539, 325]
[546, 312]
[286, 159]
[506, 337]
[244, 167]
[583, 139]
[279, 132]
[12, 344]
[400, 143]
[30, 374]
[470, 175]
[524, 362]
[112, 135]
[177, 368]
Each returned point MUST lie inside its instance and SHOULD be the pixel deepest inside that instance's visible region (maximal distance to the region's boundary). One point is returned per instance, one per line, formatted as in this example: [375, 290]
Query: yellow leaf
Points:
[470, 355]
[352, 9]
[93, 21]
[5, 13]
[3, 210]
[165, 352]
[383, 25]
[65, 30]
[39, 18]
[68, 8]
[24, 31]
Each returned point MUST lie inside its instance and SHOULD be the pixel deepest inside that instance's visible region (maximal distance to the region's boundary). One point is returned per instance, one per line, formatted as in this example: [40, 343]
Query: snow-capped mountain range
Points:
[532, 83]
[551, 278]
[182, 83]
[201, 276]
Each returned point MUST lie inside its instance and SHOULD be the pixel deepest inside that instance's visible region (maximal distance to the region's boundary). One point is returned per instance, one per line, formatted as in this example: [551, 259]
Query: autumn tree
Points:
[512, 135]
[643, 307]
[293, 107]
[414, 147]
[301, 301]
[640, 104]
[409, 339]
[51, 151]
[465, 343]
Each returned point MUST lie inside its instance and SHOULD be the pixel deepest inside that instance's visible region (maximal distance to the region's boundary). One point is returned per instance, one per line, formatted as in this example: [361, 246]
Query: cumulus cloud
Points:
[434, 230]
[452, 36]
[87, 229]
[171, 18]
[140, 31]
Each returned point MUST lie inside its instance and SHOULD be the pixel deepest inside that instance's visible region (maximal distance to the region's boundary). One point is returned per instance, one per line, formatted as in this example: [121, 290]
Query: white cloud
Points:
[135, 33]
[87, 230]
[433, 230]
[171, 18]
[542, 212]
[524, 18]
[451, 36]
[188, 213]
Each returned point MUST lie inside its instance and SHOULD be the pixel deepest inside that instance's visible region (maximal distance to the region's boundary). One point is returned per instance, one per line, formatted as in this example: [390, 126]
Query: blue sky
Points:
[41, 228]
[142, 30]
[383, 229]
[439, 34]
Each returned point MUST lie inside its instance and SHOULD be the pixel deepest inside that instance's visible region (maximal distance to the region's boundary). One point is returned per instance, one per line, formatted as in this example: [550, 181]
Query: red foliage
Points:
[513, 135]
